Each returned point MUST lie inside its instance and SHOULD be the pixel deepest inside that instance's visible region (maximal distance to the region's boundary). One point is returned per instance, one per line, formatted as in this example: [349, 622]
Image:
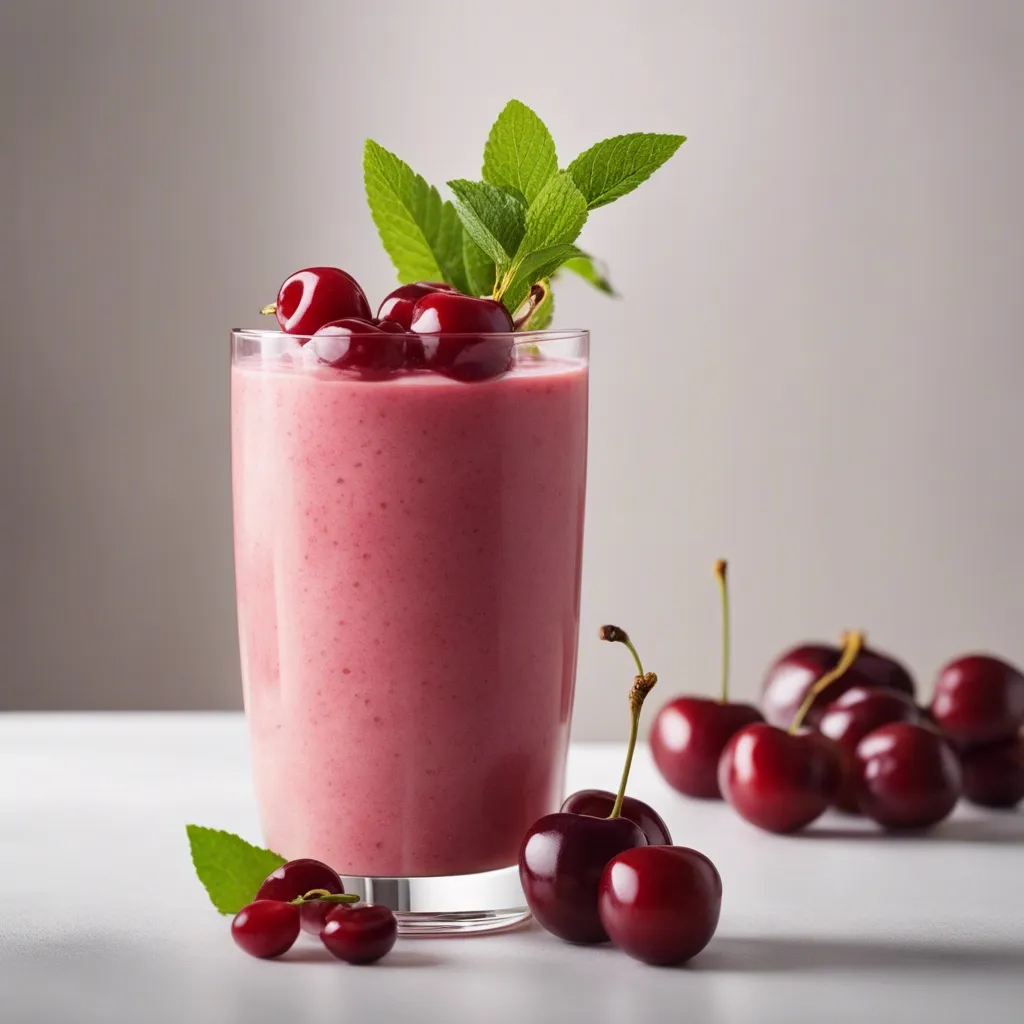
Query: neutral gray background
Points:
[816, 369]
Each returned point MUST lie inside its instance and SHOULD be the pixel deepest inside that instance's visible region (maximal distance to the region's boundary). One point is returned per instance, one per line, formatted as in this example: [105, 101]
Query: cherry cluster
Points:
[308, 895]
[422, 326]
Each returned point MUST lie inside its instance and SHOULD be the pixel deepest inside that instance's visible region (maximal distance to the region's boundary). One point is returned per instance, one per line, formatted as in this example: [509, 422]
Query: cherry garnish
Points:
[464, 338]
[850, 717]
[360, 935]
[310, 298]
[782, 780]
[295, 879]
[792, 675]
[660, 904]
[979, 699]
[598, 803]
[352, 344]
[908, 776]
[690, 733]
[563, 855]
[994, 774]
[398, 305]
[266, 928]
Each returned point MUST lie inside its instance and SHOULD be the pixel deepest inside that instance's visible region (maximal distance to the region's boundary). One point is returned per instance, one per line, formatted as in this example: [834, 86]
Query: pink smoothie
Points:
[408, 575]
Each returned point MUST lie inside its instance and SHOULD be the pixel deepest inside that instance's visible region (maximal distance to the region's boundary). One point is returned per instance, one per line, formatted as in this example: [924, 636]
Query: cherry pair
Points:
[307, 894]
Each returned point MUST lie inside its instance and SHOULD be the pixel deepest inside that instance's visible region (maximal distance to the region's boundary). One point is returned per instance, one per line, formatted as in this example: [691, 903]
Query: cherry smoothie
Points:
[408, 559]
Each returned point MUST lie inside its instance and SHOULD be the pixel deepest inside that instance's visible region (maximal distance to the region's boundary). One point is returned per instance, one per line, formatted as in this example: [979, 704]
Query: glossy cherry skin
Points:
[462, 337]
[994, 774]
[848, 719]
[310, 298]
[795, 672]
[598, 803]
[560, 866]
[351, 344]
[361, 934]
[295, 879]
[979, 699]
[777, 781]
[908, 776]
[266, 928]
[660, 904]
[688, 737]
[397, 307]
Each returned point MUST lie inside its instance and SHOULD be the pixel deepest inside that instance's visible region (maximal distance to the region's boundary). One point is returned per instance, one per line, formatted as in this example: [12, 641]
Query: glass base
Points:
[491, 901]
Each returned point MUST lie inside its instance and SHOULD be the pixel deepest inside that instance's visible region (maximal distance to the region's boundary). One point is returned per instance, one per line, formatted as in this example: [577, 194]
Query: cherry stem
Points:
[269, 310]
[537, 295]
[723, 589]
[853, 642]
[642, 685]
[323, 896]
[617, 635]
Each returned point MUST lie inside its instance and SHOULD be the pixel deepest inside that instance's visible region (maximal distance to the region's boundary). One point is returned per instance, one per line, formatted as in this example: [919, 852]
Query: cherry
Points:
[351, 344]
[398, 305]
[360, 935]
[792, 675]
[994, 774]
[463, 337]
[782, 780]
[660, 904]
[266, 928]
[854, 714]
[310, 298]
[598, 803]
[908, 776]
[295, 879]
[690, 733]
[563, 855]
[979, 699]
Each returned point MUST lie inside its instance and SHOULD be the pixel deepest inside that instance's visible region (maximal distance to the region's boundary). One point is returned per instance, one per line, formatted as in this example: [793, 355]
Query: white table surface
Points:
[102, 919]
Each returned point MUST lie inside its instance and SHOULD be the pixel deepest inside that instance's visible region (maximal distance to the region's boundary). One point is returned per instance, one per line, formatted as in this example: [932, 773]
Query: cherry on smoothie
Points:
[690, 733]
[398, 305]
[295, 879]
[351, 344]
[266, 928]
[562, 856]
[462, 337]
[994, 774]
[360, 935]
[782, 780]
[660, 904]
[979, 699]
[310, 298]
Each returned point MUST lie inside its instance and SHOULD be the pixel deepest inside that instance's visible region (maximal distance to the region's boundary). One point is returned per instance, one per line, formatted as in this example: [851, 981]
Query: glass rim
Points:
[519, 337]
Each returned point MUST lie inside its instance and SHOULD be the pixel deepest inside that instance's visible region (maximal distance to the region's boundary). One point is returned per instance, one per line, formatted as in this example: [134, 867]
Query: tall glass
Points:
[407, 557]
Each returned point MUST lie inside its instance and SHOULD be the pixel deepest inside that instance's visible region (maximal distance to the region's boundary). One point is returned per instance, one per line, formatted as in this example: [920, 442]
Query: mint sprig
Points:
[231, 869]
[616, 166]
[520, 152]
[592, 272]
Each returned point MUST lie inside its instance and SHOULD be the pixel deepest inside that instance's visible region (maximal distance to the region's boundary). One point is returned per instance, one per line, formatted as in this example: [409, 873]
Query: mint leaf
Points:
[231, 869]
[533, 267]
[519, 152]
[616, 166]
[592, 272]
[556, 215]
[422, 234]
[479, 268]
[492, 217]
[542, 316]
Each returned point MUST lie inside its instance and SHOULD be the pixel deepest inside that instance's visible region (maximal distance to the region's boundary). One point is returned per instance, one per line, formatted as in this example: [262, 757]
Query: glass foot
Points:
[491, 901]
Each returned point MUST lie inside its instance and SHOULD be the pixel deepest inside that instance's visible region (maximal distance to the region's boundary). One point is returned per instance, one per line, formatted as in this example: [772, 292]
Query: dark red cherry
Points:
[791, 676]
[463, 337]
[660, 904]
[994, 774]
[398, 305]
[598, 803]
[908, 776]
[360, 935]
[688, 737]
[979, 699]
[266, 928]
[850, 717]
[295, 879]
[777, 780]
[560, 866]
[357, 345]
[316, 296]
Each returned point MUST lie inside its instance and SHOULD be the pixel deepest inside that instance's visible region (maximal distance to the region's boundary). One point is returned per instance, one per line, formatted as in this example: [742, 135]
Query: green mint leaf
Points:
[493, 218]
[617, 165]
[556, 215]
[535, 266]
[520, 152]
[542, 316]
[479, 268]
[231, 869]
[592, 272]
[422, 234]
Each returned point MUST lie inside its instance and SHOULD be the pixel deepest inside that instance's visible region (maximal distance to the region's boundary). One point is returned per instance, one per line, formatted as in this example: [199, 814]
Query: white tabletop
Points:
[102, 919]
